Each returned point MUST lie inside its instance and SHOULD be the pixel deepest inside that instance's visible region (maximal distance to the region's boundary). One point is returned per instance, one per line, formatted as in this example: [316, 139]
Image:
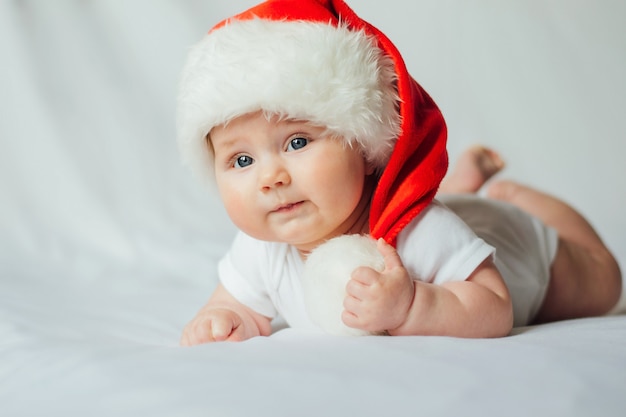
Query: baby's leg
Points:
[585, 277]
[473, 168]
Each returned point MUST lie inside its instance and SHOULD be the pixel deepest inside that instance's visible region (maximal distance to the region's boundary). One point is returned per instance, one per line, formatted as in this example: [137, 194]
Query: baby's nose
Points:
[275, 175]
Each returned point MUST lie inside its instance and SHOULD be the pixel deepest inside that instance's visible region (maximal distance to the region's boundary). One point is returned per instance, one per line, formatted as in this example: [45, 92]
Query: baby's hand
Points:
[378, 301]
[214, 325]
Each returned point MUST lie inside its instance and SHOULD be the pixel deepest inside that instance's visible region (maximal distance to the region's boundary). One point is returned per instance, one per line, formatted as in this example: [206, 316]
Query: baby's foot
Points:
[474, 167]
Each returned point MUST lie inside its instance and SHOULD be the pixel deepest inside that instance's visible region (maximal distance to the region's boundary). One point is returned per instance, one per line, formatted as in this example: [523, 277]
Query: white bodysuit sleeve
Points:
[244, 270]
[437, 246]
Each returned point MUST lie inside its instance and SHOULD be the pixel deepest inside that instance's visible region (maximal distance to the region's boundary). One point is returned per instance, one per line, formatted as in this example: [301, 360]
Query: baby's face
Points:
[287, 181]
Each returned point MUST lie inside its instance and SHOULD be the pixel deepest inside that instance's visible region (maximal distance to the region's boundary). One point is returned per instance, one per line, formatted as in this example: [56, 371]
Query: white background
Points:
[89, 171]
[108, 246]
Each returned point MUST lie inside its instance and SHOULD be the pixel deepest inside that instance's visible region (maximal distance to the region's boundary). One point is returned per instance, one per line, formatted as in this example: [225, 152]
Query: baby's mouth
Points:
[285, 208]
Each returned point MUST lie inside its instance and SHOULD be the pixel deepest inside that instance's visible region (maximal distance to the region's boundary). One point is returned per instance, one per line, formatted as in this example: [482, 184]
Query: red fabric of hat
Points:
[419, 160]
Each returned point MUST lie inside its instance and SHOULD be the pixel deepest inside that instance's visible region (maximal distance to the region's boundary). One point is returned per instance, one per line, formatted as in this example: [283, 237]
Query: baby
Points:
[306, 120]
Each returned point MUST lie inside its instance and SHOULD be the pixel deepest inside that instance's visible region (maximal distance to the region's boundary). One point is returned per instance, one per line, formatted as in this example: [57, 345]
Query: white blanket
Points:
[108, 246]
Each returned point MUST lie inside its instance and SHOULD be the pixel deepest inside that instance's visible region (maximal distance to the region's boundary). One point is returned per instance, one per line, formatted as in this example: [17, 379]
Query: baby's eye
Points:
[297, 143]
[243, 161]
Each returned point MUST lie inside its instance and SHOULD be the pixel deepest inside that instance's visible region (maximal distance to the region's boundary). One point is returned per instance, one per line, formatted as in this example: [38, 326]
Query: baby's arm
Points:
[224, 318]
[477, 307]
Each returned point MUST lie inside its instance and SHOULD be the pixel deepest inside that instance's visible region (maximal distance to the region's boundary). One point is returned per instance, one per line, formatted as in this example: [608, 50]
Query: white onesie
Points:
[437, 246]
[525, 247]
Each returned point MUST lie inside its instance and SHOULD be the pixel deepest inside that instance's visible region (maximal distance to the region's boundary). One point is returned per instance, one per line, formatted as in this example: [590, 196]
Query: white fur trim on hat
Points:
[331, 76]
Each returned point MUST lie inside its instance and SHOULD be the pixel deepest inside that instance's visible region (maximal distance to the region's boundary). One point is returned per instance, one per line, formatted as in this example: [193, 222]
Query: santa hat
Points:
[316, 60]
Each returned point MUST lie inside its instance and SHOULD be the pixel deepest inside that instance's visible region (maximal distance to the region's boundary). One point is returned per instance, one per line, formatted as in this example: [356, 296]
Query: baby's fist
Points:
[213, 325]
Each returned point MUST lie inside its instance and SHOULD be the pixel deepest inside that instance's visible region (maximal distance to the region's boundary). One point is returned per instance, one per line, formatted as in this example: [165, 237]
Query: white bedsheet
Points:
[99, 351]
[108, 247]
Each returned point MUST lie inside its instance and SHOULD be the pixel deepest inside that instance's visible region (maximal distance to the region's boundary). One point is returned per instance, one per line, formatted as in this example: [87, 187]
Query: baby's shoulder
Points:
[436, 229]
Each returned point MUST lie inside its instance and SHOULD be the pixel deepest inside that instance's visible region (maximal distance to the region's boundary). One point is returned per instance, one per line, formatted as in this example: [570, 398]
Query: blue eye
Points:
[243, 161]
[297, 143]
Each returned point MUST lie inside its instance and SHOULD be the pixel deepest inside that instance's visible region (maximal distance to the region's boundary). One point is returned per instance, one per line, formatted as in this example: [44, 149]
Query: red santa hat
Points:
[316, 60]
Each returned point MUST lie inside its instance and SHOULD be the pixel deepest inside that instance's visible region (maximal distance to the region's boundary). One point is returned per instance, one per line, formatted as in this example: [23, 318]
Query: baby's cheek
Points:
[236, 207]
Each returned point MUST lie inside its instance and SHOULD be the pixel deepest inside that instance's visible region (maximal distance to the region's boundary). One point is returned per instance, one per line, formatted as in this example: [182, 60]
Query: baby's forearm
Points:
[478, 307]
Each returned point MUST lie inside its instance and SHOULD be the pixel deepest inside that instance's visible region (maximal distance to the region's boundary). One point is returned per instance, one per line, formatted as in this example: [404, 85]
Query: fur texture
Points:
[326, 274]
[329, 75]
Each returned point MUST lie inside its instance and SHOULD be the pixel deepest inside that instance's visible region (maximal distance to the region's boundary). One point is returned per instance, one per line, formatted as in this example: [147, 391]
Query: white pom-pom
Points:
[326, 273]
